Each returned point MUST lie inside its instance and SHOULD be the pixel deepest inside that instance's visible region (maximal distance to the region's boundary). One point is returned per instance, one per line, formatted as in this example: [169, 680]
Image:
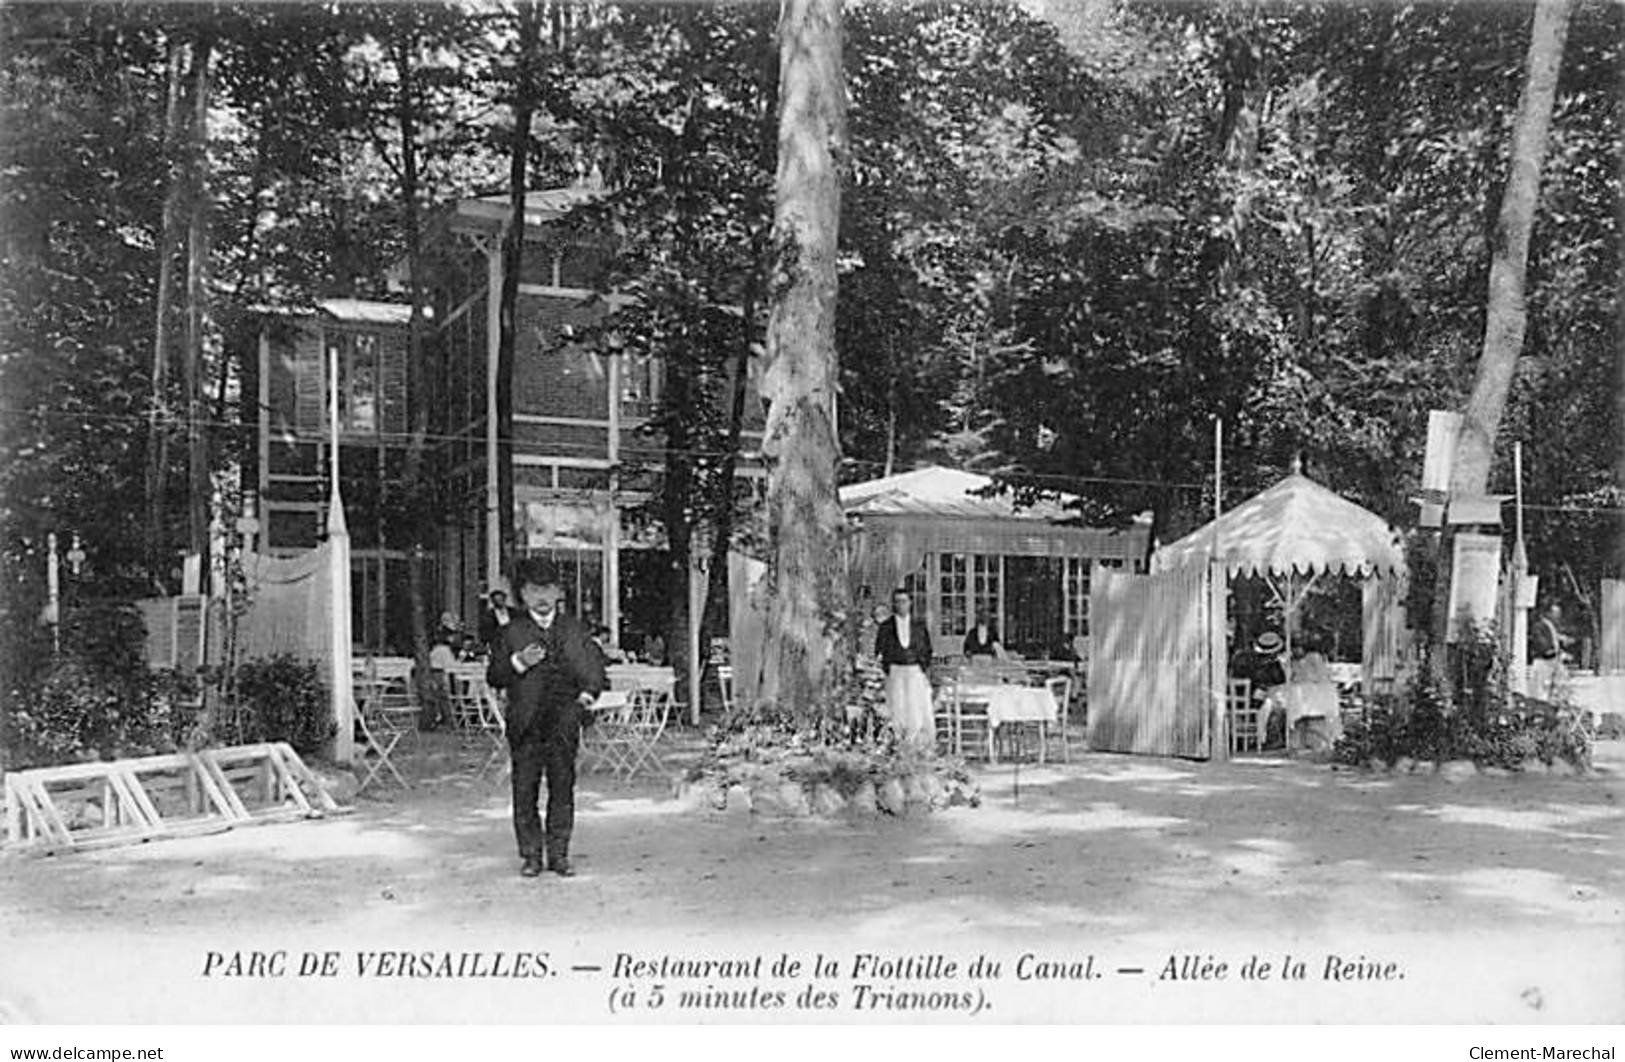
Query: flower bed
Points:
[775, 771]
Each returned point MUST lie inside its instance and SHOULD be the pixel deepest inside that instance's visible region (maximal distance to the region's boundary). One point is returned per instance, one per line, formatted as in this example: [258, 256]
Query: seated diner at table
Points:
[983, 639]
[1307, 702]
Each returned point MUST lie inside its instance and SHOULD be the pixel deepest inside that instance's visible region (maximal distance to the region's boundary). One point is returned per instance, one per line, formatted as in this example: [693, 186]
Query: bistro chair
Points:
[380, 727]
[944, 717]
[1060, 688]
[478, 714]
[464, 697]
[973, 726]
[1244, 716]
[725, 686]
[627, 733]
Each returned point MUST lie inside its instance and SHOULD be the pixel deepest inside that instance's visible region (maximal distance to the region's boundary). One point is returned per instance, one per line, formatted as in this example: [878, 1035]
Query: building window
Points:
[969, 583]
[372, 382]
[642, 377]
[1075, 596]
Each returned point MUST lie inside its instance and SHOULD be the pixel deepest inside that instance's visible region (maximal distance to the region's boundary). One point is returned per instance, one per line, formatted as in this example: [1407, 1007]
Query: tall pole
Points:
[493, 483]
[1517, 487]
[53, 586]
[1218, 656]
[1519, 615]
[338, 550]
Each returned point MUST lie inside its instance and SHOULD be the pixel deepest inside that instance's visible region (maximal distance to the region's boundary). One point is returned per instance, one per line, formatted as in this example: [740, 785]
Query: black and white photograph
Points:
[812, 512]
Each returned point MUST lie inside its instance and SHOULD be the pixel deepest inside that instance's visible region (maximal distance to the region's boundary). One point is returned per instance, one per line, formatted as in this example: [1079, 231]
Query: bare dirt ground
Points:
[1109, 889]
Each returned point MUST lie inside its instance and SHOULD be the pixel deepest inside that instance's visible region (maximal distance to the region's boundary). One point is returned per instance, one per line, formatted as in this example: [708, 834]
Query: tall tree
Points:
[809, 594]
[1507, 317]
[513, 250]
[198, 325]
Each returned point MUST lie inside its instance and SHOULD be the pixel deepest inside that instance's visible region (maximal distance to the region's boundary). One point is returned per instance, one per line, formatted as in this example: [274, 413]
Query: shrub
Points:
[281, 698]
[96, 698]
[1469, 715]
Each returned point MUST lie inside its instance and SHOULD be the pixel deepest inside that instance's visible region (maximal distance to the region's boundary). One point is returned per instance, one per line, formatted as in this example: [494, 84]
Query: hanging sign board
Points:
[1476, 508]
[1440, 457]
[1475, 573]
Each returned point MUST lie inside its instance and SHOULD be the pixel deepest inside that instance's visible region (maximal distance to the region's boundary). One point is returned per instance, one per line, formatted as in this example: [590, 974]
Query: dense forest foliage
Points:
[1071, 236]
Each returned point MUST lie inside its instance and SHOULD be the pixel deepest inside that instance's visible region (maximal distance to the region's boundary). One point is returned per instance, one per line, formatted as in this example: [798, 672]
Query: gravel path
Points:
[1498, 899]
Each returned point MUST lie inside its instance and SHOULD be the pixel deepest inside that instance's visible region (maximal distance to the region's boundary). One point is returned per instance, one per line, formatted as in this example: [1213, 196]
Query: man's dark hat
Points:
[536, 571]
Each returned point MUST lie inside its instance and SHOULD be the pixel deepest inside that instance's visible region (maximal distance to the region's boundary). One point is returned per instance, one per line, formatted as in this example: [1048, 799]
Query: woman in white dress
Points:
[1311, 700]
[903, 645]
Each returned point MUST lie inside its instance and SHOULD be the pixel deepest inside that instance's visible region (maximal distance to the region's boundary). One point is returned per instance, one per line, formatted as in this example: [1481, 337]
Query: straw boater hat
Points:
[1269, 643]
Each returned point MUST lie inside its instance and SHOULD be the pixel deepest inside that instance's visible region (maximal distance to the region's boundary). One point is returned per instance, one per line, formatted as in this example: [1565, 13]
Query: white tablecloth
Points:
[1305, 700]
[1597, 694]
[641, 677]
[1014, 704]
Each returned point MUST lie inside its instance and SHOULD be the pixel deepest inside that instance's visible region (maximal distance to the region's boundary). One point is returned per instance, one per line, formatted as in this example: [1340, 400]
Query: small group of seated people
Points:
[1299, 709]
[608, 651]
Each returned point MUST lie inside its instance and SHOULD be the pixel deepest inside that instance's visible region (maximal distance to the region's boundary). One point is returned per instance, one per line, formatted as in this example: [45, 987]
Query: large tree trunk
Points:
[809, 592]
[513, 249]
[1507, 316]
[157, 479]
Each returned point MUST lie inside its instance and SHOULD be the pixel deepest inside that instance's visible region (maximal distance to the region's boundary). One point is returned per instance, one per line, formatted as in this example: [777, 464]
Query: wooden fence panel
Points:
[1149, 671]
[1611, 653]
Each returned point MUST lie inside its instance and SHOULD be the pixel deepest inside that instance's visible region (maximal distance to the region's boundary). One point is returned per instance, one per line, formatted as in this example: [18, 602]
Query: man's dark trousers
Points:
[547, 748]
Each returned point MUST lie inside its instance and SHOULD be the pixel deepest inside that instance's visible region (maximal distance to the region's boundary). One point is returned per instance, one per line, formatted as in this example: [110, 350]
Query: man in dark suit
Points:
[494, 616]
[546, 662]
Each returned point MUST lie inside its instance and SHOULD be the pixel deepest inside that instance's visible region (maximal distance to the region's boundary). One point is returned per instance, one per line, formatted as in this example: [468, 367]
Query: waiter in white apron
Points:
[903, 645]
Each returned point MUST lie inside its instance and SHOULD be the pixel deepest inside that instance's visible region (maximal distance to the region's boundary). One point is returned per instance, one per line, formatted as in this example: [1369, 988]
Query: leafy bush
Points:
[1469, 715]
[96, 698]
[281, 698]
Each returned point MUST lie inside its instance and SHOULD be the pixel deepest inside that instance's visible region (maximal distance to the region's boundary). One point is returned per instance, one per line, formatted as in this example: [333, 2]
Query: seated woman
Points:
[1261, 665]
[1310, 700]
[982, 639]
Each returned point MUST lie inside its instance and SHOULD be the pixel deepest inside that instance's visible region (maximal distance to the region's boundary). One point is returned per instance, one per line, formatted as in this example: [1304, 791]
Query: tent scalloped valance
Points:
[1294, 527]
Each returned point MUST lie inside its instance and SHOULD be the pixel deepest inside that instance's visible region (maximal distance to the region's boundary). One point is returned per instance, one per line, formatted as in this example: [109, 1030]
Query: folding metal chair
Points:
[478, 713]
[651, 710]
[604, 744]
[626, 733]
[379, 730]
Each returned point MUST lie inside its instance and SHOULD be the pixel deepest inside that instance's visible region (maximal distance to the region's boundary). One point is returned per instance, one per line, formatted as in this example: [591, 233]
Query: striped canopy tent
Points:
[1291, 535]
[904, 517]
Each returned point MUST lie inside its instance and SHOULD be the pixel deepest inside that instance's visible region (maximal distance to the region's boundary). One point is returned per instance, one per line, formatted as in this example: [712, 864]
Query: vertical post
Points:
[1517, 486]
[1518, 636]
[493, 339]
[696, 663]
[612, 530]
[1218, 662]
[53, 585]
[338, 553]
[333, 423]
[264, 419]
